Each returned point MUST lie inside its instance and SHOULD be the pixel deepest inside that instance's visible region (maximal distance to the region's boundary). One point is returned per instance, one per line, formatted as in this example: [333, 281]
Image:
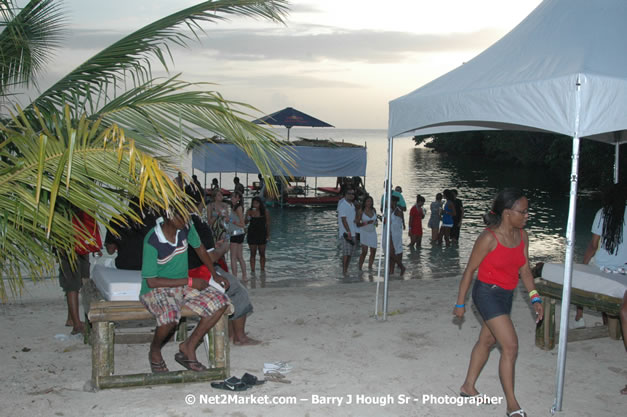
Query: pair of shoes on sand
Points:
[236, 384]
[275, 371]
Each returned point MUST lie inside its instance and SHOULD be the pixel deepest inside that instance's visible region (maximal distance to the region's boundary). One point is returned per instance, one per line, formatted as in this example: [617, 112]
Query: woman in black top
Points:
[258, 220]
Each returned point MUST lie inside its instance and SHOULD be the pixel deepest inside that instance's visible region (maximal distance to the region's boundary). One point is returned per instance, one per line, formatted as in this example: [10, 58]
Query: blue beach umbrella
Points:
[290, 117]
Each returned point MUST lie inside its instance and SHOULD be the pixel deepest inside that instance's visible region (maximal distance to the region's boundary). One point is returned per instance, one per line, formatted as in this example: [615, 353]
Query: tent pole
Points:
[376, 302]
[365, 146]
[616, 162]
[388, 205]
[568, 269]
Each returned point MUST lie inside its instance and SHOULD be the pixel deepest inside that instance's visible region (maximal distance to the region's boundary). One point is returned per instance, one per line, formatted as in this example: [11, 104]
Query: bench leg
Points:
[545, 330]
[613, 325]
[218, 351]
[102, 360]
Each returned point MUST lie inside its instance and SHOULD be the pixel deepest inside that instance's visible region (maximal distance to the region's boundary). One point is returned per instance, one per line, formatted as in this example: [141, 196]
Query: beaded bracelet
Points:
[536, 300]
[532, 293]
[460, 305]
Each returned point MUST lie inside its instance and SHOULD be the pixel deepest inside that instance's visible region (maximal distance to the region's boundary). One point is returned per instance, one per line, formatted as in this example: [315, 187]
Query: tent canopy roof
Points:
[529, 79]
[312, 159]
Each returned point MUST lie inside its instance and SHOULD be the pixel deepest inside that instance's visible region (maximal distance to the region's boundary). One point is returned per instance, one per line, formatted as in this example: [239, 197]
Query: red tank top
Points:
[501, 266]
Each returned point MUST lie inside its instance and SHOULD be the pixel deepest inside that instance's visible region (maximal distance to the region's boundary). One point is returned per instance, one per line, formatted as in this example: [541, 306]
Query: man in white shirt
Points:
[347, 227]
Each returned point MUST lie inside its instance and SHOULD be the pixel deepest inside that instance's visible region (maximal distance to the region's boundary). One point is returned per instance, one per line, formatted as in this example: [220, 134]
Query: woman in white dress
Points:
[396, 235]
[367, 222]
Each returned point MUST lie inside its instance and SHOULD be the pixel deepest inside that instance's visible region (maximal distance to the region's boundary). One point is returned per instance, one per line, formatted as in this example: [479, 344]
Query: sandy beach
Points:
[338, 350]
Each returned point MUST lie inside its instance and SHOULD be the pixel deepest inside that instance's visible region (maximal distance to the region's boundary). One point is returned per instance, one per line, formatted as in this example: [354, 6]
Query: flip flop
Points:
[158, 367]
[277, 378]
[251, 380]
[230, 384]
[192, 365]
[520, 413]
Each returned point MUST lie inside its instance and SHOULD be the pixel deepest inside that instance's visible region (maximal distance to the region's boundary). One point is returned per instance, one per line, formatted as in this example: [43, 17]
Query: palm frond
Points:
[27, 41]
[162, 116]
[96, 172]
[130, 56]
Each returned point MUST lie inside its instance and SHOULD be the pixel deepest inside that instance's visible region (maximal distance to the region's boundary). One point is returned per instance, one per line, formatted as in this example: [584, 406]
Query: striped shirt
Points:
[164, 259]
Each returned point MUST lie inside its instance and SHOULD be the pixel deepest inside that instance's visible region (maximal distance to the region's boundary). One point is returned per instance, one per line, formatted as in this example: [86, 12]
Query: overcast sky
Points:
[341, 61]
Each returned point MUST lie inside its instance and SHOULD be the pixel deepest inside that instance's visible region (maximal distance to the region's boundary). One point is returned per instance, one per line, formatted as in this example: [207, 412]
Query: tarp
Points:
[529, 79]
[562, 70]
[309, 161]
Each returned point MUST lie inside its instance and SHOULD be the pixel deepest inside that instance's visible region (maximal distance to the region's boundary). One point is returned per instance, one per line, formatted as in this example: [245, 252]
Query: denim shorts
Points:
[491, 300]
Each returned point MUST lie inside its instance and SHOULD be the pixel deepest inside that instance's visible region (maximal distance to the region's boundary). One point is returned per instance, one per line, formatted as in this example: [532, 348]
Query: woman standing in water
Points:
[217, 213]
[237, 233]
[367, 222]
[434, 218]
[448, 213]
[501, 254]
[258, 220]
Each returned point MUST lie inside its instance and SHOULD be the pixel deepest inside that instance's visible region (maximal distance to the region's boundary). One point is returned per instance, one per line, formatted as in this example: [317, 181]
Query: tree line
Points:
[546, 151]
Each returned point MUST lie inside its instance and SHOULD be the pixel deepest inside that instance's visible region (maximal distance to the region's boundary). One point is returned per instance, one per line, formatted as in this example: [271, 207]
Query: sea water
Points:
[303, 245]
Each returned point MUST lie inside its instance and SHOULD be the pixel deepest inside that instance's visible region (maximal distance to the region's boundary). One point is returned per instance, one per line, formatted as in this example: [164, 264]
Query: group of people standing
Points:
[357, 222]
[230, 221]
[446, 218]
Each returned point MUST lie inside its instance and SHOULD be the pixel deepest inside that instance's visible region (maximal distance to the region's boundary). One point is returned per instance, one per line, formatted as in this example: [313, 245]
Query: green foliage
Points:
[90, 144]
[545, 151]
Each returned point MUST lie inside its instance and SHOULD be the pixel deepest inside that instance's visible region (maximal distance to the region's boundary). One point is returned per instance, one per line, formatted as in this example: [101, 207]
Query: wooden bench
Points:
[102, 318]
[546, 335]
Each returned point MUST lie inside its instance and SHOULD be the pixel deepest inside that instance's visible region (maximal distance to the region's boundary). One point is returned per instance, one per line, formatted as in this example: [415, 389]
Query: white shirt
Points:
[346, 209]
[602, 258]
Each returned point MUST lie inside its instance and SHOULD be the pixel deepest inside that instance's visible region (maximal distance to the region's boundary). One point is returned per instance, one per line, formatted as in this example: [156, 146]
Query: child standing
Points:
[416, 214]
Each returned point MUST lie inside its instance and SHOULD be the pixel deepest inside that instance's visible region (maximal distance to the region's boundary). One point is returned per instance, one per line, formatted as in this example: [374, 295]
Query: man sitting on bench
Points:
[166, 288]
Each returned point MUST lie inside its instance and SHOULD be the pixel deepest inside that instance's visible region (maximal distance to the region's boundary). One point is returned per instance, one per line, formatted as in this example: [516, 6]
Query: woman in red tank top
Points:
[501, 255]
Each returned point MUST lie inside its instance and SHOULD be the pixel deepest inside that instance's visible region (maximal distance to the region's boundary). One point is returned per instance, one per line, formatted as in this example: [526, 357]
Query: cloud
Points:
[264, 81]
[310, 43]
[318, 43]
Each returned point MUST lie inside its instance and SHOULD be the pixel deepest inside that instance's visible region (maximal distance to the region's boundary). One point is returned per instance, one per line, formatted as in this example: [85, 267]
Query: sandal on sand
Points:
[282, 367]
[274, 377]
[158, 367]
[520, 413]
[251, 380]
[624, 390]
[192, 365]
[231, 384]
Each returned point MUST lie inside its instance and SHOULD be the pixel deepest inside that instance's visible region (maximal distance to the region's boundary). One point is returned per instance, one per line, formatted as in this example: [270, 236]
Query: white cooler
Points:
[117, 284]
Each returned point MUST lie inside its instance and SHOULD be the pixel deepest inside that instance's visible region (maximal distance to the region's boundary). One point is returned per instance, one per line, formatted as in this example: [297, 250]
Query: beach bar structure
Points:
[310, 158]
[560, 70]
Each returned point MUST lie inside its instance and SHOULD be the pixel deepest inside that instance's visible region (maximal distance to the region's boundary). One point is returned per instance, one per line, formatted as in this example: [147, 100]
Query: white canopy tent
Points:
[563, 69]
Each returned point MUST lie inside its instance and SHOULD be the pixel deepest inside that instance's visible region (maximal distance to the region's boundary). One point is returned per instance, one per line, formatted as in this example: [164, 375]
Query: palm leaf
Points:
[27, 40]
[106, 169]
[98, 77]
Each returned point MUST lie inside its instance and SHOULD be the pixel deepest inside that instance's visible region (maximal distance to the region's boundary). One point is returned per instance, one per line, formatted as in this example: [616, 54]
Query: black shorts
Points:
[491, 300]
[237, 239]
[71, 279]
